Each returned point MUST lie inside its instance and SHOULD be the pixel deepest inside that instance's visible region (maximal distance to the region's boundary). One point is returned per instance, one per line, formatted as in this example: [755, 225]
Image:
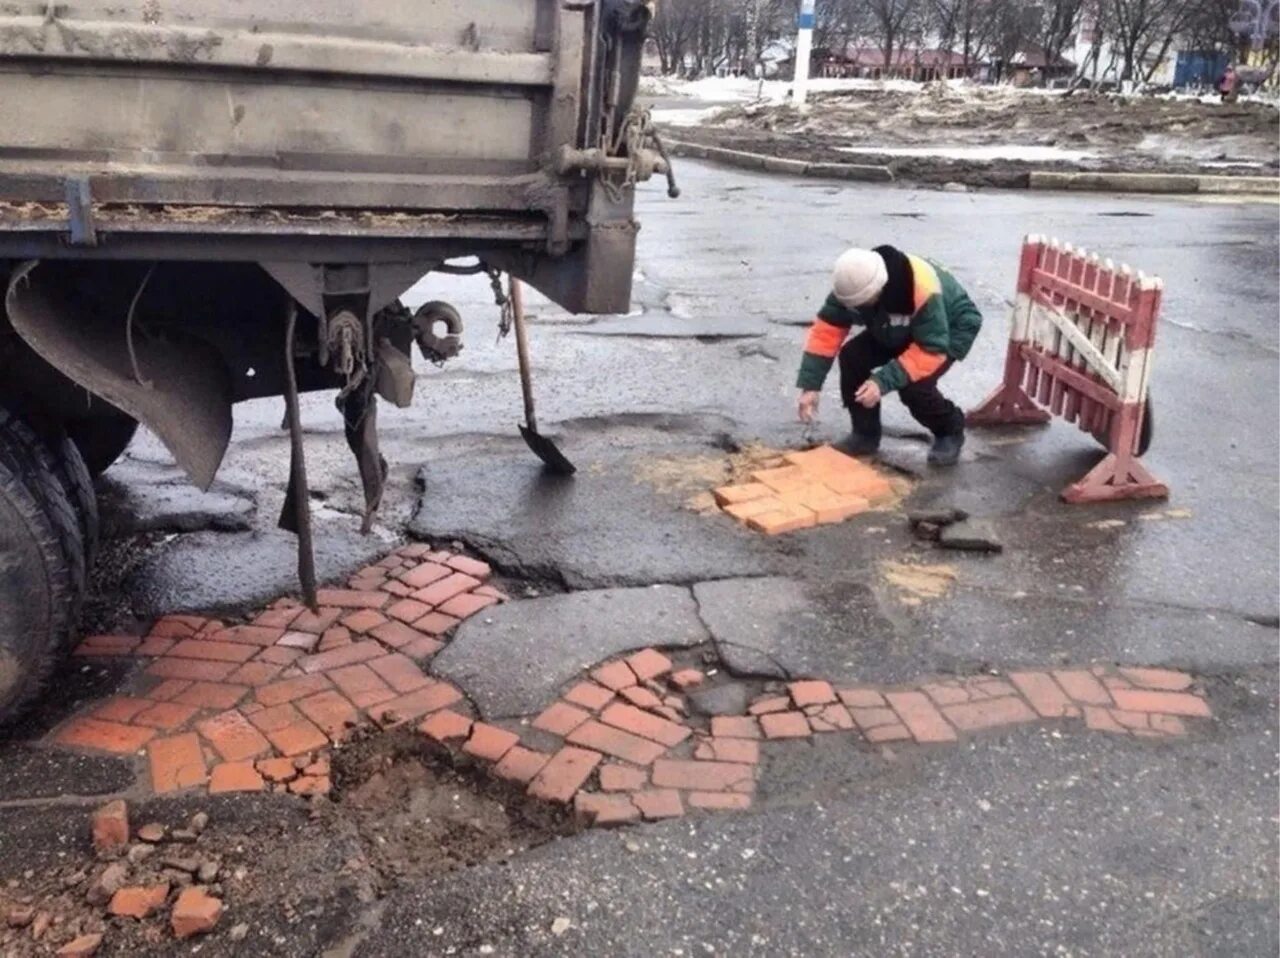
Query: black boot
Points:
[946, 448]
[857, 444]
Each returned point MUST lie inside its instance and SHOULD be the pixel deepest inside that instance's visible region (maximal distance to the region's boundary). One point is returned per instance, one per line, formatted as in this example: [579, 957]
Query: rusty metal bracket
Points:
[80, 212]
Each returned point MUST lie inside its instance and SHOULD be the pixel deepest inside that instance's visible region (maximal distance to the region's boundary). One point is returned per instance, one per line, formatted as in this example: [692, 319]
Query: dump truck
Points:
[204, 202]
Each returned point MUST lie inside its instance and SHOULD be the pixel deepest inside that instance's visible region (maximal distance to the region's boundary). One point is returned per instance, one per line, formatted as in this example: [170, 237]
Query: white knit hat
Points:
[859, 276]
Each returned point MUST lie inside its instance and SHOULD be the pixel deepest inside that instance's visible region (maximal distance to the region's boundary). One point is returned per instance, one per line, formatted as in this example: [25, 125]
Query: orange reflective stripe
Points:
[926, 282]
[825, 339]
[918, 363]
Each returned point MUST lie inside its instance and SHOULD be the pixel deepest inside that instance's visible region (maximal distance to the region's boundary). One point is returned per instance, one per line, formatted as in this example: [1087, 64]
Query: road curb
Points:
[772, 164]
[1163, 183]
[1176, 183]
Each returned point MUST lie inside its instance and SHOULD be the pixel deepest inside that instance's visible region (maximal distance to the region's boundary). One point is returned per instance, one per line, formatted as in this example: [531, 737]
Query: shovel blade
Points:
[546, 450]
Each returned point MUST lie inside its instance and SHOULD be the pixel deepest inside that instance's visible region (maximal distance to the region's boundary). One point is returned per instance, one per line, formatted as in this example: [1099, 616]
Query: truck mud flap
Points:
[177, 386]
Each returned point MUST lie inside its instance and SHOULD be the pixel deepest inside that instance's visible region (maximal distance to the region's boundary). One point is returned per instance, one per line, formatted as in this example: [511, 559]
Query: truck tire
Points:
[77, 485]
[41, 567]
[102, 441]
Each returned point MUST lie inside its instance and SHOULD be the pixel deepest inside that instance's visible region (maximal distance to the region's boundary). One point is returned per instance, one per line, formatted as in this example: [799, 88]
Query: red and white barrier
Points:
[1081, 348]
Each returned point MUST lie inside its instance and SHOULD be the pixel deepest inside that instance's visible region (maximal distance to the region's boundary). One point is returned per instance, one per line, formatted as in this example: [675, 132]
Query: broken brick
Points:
[306, 785]
[287, 690]
[589, 695]
[277, 769]
[687, 679]
[1044, 694]
[195, 912]
[1170, 703]
[830, 718]
[784, 725]
[615, 675]
[645, 724]
[1082, 686]
[176, 763]
[138, 901]
[641, 697]
[302, 641]
[1163, 680]
[920, 716]
[400, 672]
[103, 736]
[289, 732]
[658, 803]
[110, 827]
[707, 776]
[602, 810]
[332, 711]
[489, 742]
[735, 726]
[774, 703]
[564, 774]
[166, 716]
[233, 737]
[811, 693]
[892, 732]
[615, 742]
[420, 702]
[719, 801]
[344, 655]
[729, 750]
[468, 566]
[974, 716]
[560, 719]
[521, 765]
[466, 605]
[649, 664]
[446, 724]
[82, 947]
[235, 777]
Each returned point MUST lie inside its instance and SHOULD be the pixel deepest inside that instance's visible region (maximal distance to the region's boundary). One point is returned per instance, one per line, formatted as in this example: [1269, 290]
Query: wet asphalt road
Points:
[1018, 843]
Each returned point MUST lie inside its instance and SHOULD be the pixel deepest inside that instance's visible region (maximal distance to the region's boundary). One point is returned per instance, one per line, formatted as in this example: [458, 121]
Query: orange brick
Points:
[191, 670]
[469, 566]
[622, 778]
[176, 763]
[300, 641]
[1170, 703]
[361, 684]
[110, 827]
[166, 716]
[919, 715]
[603, 810]
[743, 511]
[829, 506]
[564, 774]
[781, 478]
[729, 750]
[420, 702]
[249, 635]
[287, 690]
[719, 801]
[422, 648]
[352, 598]
[466, 605]
[945, 694]
[363, 621]
[446, 724]
[811, 693]
[233, 737]
[821, 461]
[396, 588]
[489, 742]
[708, 776]
[103, 736]
[1101, 720]
[111, 644]
[894, 732]
[408, 610]
[873, 487]
[333, 638]
[973, 716]
[743, 492]
[435, 623]
[177, 626]
[589, 695]
[121, 708]
[829, 718]
[615, 742]
[773, 703]
[152, 647]
[280, 655]
[870, 718]
[1082, 686]
[790, 518]
[255, 673]
[1044, 694]
[520, 765]
[289, 732]
[687, 678]
[332, 711]
[277, 618]
[396, 634]
[645, 724]
[614, 675]
[428, 573]
[641, 697]
[138, 901]
[1168, 724]
[649, 664]
[784, 725]
[400, 672]
[235, 777]
[658, 803]
[440, 592]
[343, 655]
[277, 769]
[735, 726]
[1164, 680]
[559, 718]
[315, 622]
[168, 689]
[213, 651]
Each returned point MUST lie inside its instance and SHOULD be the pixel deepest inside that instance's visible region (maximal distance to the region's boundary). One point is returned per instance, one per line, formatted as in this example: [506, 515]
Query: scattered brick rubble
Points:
[814, 487]
[258, 706]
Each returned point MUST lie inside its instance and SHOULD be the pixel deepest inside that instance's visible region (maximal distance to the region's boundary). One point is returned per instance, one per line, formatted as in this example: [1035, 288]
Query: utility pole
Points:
[804, 50]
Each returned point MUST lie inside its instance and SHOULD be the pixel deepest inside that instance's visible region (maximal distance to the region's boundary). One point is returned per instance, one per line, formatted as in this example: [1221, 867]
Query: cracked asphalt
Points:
[1026, 841]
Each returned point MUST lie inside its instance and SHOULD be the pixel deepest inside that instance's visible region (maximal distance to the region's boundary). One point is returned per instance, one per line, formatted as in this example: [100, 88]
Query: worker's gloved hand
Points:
[868, 394]
[808, 405]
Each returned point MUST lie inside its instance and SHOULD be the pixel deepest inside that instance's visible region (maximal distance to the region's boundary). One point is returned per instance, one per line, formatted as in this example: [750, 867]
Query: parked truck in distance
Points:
[204, 202]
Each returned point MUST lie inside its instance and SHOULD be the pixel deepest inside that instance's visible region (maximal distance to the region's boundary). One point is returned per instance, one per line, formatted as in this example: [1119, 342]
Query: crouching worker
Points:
[918, 321]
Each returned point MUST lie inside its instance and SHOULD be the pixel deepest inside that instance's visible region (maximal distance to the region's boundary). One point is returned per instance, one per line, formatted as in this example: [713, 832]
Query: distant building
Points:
[868, 63]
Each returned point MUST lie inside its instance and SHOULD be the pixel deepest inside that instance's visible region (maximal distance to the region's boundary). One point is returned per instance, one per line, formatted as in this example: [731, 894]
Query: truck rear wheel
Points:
[42, 566]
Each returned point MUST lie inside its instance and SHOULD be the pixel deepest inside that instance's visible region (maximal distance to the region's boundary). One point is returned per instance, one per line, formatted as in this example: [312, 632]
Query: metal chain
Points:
[507, 315]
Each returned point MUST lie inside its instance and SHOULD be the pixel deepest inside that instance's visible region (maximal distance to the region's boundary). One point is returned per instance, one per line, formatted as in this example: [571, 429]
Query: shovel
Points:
[542, 447]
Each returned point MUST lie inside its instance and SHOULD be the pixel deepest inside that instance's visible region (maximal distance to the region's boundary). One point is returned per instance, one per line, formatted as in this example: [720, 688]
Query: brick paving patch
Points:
[257, 706]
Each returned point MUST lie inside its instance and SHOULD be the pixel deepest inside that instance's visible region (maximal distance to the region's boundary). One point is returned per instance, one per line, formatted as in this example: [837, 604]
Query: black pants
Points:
[930, 408]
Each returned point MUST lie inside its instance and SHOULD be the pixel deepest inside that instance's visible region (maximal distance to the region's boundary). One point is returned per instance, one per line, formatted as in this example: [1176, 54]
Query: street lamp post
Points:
[804, 51]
